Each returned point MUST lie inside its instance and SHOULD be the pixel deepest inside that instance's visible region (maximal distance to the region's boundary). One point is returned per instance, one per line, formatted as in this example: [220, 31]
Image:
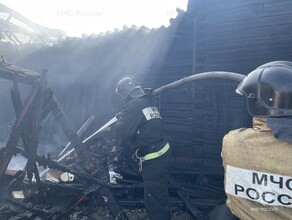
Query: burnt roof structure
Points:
[235, 36]
[25, 190]
[30, 113]
[24, 139]
[17, 29]
[17, 74]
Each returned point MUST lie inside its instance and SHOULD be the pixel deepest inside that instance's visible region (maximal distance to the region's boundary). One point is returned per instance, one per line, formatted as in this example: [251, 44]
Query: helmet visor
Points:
[125, 86]
[275, 91]
[248, 88]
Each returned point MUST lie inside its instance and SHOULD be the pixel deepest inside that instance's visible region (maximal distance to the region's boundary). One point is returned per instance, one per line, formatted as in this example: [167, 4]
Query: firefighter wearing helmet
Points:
[139, 125]
[258, 160]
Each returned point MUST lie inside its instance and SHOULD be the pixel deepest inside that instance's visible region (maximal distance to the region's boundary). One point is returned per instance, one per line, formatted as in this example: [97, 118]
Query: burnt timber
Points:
[17, 29]
[39, 103]
[234, 36]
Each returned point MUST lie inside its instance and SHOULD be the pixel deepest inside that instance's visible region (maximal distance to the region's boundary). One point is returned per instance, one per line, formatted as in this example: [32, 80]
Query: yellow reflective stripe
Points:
[156, 154]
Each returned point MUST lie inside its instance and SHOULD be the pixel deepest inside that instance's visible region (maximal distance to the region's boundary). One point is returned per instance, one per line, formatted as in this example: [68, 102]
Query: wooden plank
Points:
[10, 148]
[185, 198]
[190, 152]
[175, 120]
[279, 38]
[229, 5]
[247, 34]
[280, 8]
[182, 138]
[68, 129]
[12, 72]
[250, 23]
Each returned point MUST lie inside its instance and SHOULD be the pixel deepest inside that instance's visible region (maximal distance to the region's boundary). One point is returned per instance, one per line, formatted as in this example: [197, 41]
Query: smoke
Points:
[83, 72]
[17, 162]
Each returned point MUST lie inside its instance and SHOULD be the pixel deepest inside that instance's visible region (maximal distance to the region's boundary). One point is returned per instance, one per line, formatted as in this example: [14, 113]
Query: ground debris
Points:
[81, 199]
[77, 185]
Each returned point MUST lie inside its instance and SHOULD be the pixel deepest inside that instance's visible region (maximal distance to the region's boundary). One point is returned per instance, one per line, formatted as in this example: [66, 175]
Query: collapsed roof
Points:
[17, 29]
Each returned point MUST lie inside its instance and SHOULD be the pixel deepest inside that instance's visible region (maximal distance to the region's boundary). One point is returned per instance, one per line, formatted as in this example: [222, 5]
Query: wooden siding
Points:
[227, 35]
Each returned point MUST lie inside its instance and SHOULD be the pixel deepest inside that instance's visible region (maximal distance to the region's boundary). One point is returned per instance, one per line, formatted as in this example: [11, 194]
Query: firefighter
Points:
[258, 161]
[140, 126]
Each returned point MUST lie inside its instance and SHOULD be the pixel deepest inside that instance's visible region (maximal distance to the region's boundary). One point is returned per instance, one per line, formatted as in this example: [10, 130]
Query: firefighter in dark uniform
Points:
[140, 126]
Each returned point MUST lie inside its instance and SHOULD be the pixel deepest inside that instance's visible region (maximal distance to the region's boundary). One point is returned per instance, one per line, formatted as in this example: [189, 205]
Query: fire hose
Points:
[196, 77]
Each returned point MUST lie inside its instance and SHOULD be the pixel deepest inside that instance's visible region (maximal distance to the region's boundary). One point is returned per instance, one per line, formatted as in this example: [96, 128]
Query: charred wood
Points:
[185, 197]
[80, 132]
[15, 73]
[10, 148]
[68, 129]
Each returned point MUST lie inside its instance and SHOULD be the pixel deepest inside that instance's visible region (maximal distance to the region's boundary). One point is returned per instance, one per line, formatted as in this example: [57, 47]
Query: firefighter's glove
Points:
[148, 91]
[113, 176]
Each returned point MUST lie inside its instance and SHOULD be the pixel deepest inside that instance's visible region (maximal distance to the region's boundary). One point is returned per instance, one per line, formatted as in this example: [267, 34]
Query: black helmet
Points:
[268, 89]
[129, 87]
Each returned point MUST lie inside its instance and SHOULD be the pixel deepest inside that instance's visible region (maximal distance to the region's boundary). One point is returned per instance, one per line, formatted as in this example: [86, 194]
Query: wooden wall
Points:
[239, 35]
[226, 35]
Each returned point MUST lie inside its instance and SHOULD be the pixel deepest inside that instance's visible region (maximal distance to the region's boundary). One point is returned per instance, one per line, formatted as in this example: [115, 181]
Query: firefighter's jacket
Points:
[140, 123]
[258, 173]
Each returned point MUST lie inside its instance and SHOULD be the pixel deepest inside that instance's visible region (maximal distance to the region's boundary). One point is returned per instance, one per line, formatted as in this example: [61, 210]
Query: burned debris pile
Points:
[92, 179]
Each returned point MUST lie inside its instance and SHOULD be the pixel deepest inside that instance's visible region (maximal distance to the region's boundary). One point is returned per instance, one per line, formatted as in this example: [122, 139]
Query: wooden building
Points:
[213, 35]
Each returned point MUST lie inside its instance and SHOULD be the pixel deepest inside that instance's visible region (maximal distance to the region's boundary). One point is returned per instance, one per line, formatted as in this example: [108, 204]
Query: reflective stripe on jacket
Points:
[141, 115]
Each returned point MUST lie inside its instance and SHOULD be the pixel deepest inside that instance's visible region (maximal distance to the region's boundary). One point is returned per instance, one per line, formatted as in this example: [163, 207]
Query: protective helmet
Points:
[129, 87]
[268, 89]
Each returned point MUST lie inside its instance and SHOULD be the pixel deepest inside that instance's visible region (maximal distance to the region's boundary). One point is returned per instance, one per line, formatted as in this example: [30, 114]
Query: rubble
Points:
[196, 118]
[77, 184]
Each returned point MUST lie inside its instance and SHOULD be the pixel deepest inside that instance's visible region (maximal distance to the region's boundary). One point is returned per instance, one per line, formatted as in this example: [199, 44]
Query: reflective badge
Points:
[265, 188]
[151, 112]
